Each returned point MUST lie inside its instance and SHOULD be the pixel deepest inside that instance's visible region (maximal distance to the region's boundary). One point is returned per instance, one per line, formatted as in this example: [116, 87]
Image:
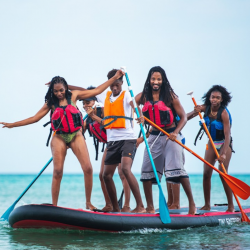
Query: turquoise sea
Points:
[236, 236]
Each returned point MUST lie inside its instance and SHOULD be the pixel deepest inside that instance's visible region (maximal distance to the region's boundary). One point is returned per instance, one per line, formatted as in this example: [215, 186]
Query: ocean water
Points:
[236, 236]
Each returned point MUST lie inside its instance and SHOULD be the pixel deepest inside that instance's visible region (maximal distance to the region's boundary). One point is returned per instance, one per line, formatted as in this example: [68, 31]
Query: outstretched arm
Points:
[83, 94]
[195, 112]
[38, 116]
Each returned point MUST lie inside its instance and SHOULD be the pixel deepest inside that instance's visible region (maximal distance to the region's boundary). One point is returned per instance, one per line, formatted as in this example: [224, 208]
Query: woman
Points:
[162, 105]
[66, 121]
[92, 124]
[218, 121]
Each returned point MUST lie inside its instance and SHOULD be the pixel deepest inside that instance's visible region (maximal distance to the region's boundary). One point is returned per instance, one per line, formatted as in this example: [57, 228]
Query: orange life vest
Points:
[114, 109]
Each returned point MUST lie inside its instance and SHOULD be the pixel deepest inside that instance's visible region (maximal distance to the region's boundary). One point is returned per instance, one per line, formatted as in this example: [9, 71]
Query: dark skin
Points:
[87, 105]
[210, 156]
[156, 83]
[126, 163]
[78, 144]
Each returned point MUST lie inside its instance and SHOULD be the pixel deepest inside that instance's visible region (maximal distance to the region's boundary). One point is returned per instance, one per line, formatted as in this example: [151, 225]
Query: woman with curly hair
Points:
[66, 120]
[218, 121]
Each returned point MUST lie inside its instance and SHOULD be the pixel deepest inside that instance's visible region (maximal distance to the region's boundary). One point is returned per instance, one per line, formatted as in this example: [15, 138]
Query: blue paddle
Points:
[163, 207]
[6, 215]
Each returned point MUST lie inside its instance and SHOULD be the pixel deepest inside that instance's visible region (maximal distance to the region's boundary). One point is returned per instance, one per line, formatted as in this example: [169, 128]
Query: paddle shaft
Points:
[217, 155]
[192, 152]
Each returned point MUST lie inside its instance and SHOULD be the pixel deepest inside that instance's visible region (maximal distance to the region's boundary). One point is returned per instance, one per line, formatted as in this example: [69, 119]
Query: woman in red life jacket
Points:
[162, 105]
[66, 120]
[92, 124]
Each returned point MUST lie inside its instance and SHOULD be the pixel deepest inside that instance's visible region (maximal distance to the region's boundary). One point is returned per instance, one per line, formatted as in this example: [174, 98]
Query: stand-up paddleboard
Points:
[49, 216]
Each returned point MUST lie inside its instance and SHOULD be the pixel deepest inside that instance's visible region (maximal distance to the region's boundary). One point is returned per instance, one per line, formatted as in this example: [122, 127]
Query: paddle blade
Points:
[163, 208]
[6, 215]
[244, 217]
[239, 187]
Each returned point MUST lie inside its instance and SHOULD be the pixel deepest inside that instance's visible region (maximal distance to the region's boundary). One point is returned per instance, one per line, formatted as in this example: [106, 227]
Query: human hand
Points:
[119, 74]
[89, 111]
[222, 158]
[7, 125]
[172, 136]
[140, 120]
[139, 141]
[48, 84]
[198, 108]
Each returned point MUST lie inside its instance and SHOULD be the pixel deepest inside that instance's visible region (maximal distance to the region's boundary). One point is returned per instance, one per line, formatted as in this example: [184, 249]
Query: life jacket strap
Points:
[115, 118]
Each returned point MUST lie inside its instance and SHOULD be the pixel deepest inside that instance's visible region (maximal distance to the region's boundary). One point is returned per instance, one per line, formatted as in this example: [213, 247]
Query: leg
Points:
[110, 185]
[126, 164]
[59, 149]
[170, 194]
[79, 148]
[147, 186]
[108, 207]
[227, 189]
[207, 174]
[126, 207]
[187, 188]
[175, 195]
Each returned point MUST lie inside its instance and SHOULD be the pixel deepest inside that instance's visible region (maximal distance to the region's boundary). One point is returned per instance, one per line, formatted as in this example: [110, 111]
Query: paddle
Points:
[6, 215]
[239, 187]
[244, 216]
[163, 208]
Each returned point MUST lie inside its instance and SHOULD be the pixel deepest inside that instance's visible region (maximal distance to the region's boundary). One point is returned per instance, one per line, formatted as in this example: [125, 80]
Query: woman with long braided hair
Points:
[66, 121]
[162, 106]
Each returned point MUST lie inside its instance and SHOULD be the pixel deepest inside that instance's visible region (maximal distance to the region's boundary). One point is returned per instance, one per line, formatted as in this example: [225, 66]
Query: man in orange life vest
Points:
[121, 146]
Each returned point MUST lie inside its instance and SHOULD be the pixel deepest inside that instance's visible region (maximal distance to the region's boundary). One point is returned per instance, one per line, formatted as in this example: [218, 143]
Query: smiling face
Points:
[215, 99]
[88, 104]
[59, 91]
[156, 81]
[116, 87]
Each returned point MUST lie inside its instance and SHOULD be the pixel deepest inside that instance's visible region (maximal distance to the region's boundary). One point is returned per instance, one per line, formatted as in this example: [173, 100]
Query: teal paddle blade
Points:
[6, 215]
[163, 208]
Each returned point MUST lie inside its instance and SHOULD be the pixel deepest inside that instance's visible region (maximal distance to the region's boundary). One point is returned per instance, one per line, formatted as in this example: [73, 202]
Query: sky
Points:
[198, 43]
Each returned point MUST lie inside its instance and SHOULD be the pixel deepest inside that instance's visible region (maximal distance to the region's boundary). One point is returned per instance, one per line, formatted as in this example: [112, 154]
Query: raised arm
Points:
[83, 94]
[71, 87]
[195, 112]
[37, 117]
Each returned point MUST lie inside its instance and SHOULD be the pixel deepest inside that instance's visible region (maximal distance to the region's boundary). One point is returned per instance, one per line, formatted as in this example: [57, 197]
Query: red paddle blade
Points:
[244, 217]
[239, 187]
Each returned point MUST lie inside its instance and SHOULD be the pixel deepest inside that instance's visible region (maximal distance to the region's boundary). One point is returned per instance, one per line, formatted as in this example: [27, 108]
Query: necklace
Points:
[213, 114]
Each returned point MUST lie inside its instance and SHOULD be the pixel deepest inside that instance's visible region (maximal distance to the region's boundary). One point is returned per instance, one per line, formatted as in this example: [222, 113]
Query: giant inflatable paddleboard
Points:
[49, 216]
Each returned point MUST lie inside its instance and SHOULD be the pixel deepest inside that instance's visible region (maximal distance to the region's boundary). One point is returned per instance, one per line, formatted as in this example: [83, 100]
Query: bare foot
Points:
[139, 210]
[169, 204]
[90, 206]
[126, 209]
[116, 210]
[150, 210]
[205, 207]
[174, 206]
[108, 207]
[192, 209]
[230, 209]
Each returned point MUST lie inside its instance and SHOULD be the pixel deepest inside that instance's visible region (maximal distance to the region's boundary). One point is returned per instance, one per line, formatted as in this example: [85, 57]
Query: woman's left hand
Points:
[172, 136]
[48, 84]
[222, 158]
[7, 125]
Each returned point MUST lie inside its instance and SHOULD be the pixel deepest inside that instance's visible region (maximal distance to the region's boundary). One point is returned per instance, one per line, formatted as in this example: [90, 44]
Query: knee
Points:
[106, 177]
[125, 172]
[88, 170]
[206, 176]
[57, 174]
[101, 176]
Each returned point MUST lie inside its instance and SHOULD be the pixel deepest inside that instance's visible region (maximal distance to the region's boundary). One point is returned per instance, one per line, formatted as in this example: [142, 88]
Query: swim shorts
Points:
[118, 149]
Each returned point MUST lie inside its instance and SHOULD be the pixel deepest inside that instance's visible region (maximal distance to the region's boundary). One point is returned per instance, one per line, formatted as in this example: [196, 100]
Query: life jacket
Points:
[64, 119]
[215, 126]
[158, 113]
[114, 113]
[95, 130]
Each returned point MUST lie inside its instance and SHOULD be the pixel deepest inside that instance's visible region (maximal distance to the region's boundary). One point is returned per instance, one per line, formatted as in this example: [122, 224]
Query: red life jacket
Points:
[158, 113]
[94, 127]
[66, 119]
